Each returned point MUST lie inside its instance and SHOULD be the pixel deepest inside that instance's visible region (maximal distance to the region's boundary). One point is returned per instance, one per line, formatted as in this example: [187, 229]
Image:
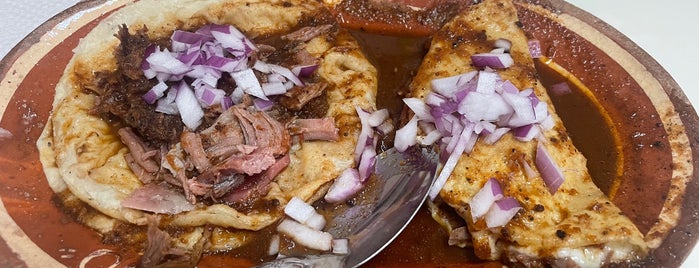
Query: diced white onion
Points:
[306, 236]
[341, 246]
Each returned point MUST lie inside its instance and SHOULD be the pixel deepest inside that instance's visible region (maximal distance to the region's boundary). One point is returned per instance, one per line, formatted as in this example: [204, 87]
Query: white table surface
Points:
[665, 29]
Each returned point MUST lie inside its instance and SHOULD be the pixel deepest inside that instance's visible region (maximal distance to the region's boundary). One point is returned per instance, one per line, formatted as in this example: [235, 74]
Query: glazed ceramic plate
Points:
[652, 126]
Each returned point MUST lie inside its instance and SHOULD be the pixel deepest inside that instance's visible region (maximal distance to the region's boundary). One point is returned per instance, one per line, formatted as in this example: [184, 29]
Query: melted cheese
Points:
[579, 223]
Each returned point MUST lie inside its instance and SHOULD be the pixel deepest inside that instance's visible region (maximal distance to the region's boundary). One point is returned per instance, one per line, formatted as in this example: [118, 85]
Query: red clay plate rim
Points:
[16, 249]
[675, 109]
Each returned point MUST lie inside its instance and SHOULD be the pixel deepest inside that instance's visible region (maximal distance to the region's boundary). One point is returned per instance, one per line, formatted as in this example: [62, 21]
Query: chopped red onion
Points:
[484, 199]
[448, 86]
[478, 106]
[461, 93]
[286, 73]
[316, 222]
[188, 107]
[431, 137]
[502, 212]
[492, 60]
[523, 110]
[248, 82]
[190, 58]
[155, 92]
[365, 133]
[224, 64]
[507, 87]
[434, 99]
[447, 107]
[495, 136]
[406, 136]
[304, 213]
[304, 70]
[547, 123]
[470, 143]
[534, 48]
[526, 133]
[426, 127]
[367, 161]
[484, 127]
[341, 246]
[226, 103]
[528, 170]
[465, 107]
[180, 39]
[456, 128]
[378, 117]
[208, 96]
[497, 51]
[306, 236]
[275, 78]
[262, 66]
[503, 43]
[385, 127]
[274, 245]
[262, 105]
[237, 95]
[450, 164]
[541, 112]
[420, 108]
[560, 89]
[344, 186]
[201, 55]
[230, 38]
[164, 62]
[289, 85]
[167, 105]
[148, 72]
[274, 88]
[549, 170]
[486, 82]
[206, 29]
[204, 75]
[442, 122]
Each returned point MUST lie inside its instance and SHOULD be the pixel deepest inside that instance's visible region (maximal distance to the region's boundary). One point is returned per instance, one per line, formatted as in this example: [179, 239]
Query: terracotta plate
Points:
[653, 130]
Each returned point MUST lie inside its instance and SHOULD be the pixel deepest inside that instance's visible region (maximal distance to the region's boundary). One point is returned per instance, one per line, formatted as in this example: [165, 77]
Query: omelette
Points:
[230, 164]
[571, 223]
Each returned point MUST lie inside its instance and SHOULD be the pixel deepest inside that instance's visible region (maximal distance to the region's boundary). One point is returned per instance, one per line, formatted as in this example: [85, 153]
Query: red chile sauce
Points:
[29, 200]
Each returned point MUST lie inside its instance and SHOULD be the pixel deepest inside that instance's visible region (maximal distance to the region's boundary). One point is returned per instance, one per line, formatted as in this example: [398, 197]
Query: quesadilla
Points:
[206, 113]
[512, 172]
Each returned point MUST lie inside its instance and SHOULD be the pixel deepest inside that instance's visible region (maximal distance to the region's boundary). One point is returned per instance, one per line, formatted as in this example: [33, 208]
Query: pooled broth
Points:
[397, 59]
